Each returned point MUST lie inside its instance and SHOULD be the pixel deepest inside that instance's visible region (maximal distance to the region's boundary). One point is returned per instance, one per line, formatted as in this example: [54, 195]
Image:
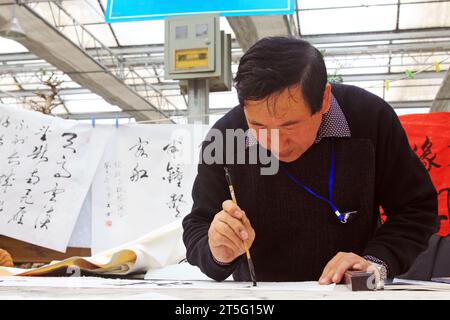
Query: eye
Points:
[257, 125]
[290, 126]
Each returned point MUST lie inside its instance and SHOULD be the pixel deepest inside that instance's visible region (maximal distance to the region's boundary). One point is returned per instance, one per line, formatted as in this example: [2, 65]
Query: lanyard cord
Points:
[331, 176]
[341, 217]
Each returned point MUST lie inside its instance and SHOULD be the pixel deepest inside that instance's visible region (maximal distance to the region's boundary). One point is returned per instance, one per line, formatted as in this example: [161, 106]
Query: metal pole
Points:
[198, 101]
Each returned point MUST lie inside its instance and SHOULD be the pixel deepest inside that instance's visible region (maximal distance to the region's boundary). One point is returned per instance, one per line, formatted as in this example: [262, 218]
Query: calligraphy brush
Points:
[247, 252]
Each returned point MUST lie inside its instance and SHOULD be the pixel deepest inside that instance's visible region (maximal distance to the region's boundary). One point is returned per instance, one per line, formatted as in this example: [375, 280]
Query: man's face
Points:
[288, 112]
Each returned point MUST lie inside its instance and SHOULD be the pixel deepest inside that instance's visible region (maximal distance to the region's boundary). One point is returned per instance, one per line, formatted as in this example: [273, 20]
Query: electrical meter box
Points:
[224, 82]
[193, 47]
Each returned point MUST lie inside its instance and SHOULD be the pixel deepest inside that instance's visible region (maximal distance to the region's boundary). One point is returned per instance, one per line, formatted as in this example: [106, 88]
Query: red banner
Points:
[429, 137]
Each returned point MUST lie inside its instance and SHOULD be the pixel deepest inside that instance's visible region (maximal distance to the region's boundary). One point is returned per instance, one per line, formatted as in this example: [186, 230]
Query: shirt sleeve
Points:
[404, 190]
[209, 191]
[379, 262]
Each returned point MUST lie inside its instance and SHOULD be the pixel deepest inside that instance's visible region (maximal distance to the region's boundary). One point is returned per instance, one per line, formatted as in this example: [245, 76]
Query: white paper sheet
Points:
[92, 282]
[67, 282]
[179, 271]
[157, 249]
[46, 167]
[144, 181]
[416, 285]
[232, 285]
[82, 232]
[184, 275]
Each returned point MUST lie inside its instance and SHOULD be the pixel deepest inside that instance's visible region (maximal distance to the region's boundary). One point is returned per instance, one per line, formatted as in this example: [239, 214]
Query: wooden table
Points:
[23, 252]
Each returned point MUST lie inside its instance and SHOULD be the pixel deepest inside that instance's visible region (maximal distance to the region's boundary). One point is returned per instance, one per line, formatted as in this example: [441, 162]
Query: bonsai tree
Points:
[48, 101]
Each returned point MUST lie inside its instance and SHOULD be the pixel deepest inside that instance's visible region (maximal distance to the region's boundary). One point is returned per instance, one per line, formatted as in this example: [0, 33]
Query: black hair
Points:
[275, 63]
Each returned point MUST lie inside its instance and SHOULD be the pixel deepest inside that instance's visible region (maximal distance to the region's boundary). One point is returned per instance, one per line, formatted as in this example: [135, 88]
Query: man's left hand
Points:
[343, 261]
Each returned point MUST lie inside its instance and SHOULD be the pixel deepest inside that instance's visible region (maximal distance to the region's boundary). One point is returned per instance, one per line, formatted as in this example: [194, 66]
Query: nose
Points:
[284, 142]
[279, 143]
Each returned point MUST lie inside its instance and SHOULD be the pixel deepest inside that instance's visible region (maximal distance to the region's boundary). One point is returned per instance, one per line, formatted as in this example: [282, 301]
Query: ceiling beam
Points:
[48, 43]
[183, 112]
[173, 86]
[411, 34]
[250, 29]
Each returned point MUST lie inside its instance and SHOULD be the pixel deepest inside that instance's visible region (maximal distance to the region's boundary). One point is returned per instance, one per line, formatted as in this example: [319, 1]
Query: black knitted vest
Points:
[296, 233]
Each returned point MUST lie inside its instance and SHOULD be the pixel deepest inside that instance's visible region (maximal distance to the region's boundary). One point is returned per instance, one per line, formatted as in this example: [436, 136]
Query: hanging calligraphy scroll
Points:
[429, 137]
[144, 181]
[46, 168]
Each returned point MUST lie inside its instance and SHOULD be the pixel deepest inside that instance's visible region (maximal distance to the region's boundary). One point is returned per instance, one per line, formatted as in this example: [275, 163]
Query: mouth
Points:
[285, 154]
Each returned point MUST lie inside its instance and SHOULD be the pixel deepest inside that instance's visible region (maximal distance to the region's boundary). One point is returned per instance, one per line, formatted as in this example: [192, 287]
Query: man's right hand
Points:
[228, 231]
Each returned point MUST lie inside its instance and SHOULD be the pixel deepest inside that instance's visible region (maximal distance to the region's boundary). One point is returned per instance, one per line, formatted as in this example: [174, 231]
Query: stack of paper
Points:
[157, 249]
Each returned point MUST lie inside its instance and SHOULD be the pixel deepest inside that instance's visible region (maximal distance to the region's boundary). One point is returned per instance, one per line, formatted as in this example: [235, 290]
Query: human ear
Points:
[326, 99]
